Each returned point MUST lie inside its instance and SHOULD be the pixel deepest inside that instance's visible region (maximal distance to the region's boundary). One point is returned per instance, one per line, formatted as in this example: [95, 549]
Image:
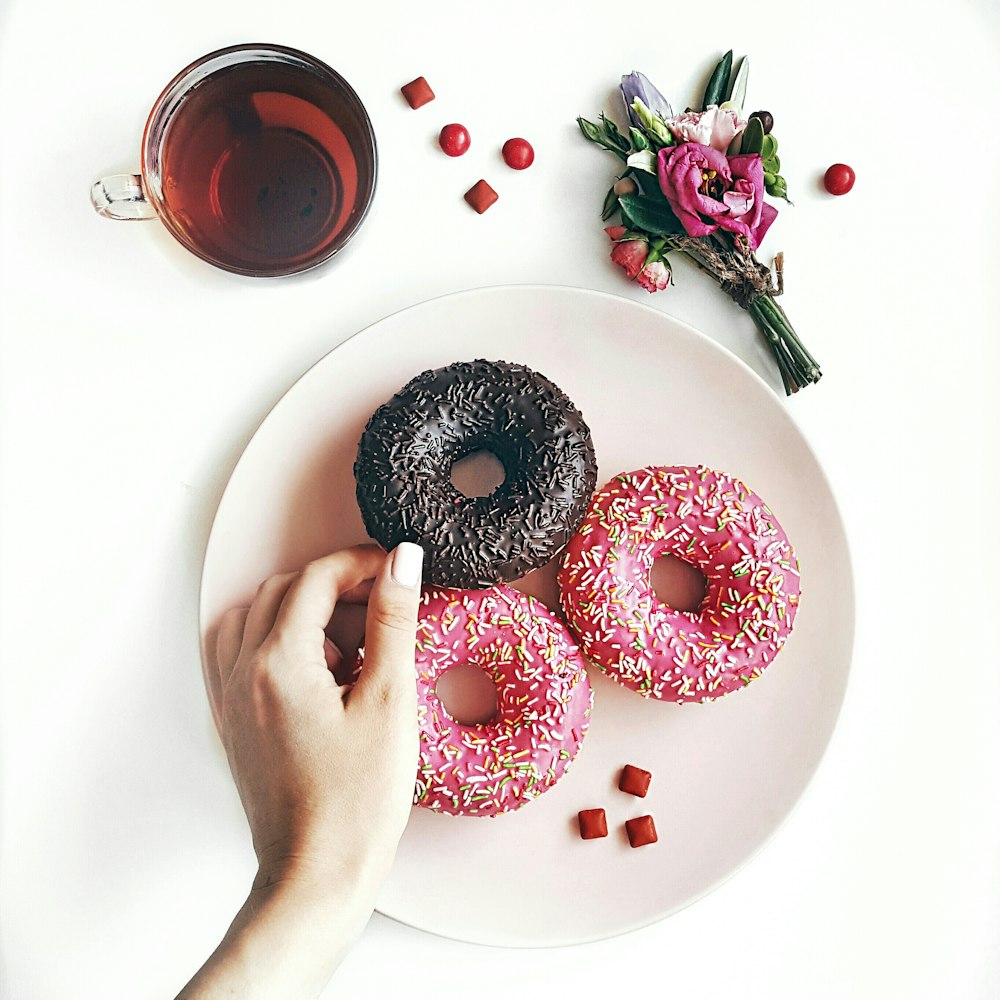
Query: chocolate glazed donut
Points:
[408, 448]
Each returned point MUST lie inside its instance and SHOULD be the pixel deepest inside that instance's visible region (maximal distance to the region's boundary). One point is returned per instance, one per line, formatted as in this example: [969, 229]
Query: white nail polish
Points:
[407, 564]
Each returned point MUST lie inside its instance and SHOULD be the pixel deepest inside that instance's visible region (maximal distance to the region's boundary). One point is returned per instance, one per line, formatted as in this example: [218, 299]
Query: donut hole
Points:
[468, 694]
[677, 583]
[478, 474]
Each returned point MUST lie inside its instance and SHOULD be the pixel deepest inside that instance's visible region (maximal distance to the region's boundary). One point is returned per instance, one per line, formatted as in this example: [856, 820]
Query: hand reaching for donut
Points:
[325, 772]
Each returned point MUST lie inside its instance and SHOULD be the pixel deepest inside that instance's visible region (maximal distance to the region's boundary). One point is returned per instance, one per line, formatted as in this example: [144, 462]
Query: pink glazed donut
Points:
[717, 524]
[543, 701]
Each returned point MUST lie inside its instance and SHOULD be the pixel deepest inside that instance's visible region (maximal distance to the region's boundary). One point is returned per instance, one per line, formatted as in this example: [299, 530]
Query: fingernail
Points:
[407, 564]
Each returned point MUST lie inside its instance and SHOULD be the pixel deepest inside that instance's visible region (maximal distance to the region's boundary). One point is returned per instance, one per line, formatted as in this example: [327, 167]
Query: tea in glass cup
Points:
[260, 159]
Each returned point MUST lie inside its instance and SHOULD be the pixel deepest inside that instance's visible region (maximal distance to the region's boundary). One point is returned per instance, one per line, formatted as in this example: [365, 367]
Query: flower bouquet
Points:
[694, 184]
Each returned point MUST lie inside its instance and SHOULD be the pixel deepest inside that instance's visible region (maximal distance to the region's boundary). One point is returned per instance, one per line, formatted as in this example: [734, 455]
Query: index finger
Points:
[311, 599]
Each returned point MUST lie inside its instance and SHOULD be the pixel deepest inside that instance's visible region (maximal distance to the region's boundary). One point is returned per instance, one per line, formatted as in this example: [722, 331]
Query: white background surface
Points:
[133, 375]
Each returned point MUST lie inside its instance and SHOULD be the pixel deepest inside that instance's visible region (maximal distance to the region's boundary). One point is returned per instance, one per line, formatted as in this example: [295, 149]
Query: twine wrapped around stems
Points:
[740, 275]
[751, 286]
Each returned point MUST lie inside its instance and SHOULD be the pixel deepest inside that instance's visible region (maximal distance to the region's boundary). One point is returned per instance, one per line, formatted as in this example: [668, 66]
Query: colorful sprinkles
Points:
[543, 701]
[718, 524]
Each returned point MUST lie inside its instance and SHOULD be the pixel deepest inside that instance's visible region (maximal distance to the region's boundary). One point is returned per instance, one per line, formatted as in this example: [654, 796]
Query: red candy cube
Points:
[480, 196]
[593, 824]
[418, 93]
[635, 781]
[641, 831]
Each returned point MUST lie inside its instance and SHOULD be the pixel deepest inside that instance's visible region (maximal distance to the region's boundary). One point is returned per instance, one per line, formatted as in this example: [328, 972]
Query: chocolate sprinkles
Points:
[411, 443]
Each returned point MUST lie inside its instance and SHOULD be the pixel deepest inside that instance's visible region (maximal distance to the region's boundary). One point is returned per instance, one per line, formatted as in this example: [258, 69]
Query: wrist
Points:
[338, 873]
[286, 942]
[338, 878]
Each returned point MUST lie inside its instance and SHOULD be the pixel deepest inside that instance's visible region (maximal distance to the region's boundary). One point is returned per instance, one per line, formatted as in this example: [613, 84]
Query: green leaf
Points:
[653, 216]
[656, 140]
[753, 136]
[718, 84]
[594, 134]
[768, 147]
[639, 140]
[614, 135]
[649, 185]
[590, 130]
[738, 93]
[610, 205]
[643, 160]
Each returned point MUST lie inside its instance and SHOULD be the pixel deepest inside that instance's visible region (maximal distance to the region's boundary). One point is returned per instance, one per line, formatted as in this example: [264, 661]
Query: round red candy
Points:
[518, 154]
[839, 179]
[454, 139]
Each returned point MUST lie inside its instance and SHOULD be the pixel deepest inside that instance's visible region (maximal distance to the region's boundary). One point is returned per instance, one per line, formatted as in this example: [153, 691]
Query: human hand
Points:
[325, 772]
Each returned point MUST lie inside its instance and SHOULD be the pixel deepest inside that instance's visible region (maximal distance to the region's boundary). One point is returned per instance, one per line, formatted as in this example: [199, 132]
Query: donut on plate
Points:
[712, 521]
[544, 700]
[408, 449]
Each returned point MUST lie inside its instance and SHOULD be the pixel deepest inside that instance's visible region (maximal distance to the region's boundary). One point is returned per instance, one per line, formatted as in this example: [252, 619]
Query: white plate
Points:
[725, 774]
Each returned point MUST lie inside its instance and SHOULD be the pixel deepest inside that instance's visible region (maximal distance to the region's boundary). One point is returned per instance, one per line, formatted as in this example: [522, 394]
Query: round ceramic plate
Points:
[725, 774]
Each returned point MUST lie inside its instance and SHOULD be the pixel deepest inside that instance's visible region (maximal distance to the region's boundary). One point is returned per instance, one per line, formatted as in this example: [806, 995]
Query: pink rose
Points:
[654, 277]
[632, 255]
[708, 191]
[715, 127]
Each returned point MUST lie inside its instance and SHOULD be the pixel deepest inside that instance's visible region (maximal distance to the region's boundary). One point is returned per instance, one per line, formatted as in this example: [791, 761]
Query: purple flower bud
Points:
[636, 85]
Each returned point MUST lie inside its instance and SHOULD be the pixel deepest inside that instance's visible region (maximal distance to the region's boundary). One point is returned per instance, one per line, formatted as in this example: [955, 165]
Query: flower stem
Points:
[780, 319]
[797, 366]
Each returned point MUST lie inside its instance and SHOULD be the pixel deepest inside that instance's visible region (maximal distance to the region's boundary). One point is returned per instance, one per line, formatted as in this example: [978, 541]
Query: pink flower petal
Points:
[631, 255]
[681, 172]
[768, 213]
[733, 225]
[740, 199]
[654, 277]
[615, 232]
[693, 223]
[715, 127]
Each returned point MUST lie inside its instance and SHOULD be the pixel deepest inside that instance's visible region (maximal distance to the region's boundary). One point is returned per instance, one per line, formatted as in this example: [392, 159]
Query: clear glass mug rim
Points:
[142, 194]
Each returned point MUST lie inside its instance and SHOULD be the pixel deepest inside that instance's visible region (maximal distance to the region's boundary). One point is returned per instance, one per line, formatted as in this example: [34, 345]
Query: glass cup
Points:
[260, 159]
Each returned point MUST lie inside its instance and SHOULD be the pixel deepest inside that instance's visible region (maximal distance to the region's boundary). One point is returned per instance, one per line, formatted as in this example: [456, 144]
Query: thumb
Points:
[391, 627]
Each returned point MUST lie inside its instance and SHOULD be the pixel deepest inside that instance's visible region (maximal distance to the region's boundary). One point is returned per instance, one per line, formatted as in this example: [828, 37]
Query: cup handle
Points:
[121, 196]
